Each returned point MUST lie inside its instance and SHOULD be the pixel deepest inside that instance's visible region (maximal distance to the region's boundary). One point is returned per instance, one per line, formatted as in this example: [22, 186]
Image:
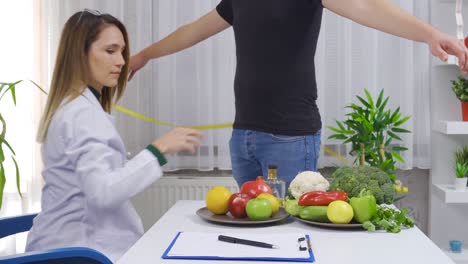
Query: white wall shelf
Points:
[458, 257]
[448, 208]
[452, 60]
[451, 127]
[449, 195]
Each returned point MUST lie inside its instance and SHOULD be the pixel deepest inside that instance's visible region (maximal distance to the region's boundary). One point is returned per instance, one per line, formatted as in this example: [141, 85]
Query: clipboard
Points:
[293, 247]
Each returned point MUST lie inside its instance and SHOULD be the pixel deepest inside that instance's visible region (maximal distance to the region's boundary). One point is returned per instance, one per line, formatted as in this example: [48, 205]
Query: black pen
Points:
[245, 242]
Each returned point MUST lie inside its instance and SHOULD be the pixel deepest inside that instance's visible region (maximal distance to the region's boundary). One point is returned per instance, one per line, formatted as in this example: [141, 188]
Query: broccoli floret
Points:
[345, 182]
[353, 179]
[380, 176]
[389, 192]
[373, 186]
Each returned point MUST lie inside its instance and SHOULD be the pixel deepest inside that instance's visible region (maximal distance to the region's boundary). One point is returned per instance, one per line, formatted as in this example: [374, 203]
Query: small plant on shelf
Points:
[461, 168]
[460, 88]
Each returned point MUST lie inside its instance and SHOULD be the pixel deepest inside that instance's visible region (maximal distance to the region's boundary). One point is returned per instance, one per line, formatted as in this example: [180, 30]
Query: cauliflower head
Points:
[308, 181]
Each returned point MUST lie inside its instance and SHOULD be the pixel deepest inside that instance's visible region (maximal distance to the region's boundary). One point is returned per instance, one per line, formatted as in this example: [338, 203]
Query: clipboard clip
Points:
[304, 244]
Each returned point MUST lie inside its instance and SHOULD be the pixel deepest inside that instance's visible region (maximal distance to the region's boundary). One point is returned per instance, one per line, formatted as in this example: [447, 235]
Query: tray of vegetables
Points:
[356, 198]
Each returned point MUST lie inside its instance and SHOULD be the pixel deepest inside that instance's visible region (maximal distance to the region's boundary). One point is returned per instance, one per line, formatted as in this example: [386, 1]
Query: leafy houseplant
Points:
[6, 88]
[461, 168]
[460, 88]
[371, 128]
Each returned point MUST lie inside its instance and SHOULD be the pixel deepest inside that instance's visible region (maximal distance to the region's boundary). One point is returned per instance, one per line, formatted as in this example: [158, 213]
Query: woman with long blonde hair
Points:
[88, 182]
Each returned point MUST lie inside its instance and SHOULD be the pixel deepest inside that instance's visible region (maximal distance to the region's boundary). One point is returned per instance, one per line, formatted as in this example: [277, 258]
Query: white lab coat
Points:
[88, 183]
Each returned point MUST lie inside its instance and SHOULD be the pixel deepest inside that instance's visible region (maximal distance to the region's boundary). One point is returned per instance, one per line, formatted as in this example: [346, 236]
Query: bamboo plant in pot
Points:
[371, 127]
[460, 88]
[461, 168]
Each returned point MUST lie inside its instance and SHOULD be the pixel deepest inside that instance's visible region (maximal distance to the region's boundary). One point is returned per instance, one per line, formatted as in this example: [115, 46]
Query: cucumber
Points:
[314, 213]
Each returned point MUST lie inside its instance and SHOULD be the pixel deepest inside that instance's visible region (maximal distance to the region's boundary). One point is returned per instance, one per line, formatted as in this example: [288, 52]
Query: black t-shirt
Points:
[275, 88]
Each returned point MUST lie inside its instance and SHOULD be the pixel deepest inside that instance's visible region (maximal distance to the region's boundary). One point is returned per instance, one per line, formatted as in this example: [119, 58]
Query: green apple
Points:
[259, 209]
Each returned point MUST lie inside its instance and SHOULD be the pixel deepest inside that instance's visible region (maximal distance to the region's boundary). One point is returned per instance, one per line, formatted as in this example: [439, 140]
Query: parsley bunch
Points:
[390, 219]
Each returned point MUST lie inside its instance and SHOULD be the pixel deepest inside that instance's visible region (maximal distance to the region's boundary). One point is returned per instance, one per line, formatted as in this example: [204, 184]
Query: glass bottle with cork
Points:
[278, 186]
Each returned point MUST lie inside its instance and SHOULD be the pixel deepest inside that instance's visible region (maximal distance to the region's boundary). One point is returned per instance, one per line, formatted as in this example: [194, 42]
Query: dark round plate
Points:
[330, 225]
[229, 219]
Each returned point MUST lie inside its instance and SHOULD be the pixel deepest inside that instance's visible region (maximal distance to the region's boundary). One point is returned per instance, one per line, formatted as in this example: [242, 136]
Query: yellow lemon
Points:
[340, 212]
[217, 199]
[273, 200]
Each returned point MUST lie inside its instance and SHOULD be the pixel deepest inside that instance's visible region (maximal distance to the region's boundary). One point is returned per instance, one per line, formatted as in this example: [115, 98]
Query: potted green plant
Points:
[371, 129]
[460, 88]
[461, 168]
[5, 147]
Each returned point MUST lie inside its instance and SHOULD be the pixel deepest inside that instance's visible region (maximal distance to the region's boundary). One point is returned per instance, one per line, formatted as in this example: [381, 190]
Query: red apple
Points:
[237, 203]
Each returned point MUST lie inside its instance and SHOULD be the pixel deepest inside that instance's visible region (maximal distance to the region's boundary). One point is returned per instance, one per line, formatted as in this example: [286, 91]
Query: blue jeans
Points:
[252, 152]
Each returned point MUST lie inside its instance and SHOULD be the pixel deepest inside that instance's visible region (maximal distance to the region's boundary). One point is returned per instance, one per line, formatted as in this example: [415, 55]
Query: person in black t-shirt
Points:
[277, 120]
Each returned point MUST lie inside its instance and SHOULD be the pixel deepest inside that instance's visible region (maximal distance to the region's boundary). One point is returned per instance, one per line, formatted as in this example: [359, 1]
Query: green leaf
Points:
[399, 198]
[398, 157]
[8, 145]
[11, 87]
[340, 125]
[38, 86]
[368, 125]
[398, 148]
[2, 155]
[369, 98]
[338, 136]
[17, 177]
[13, 94]
[395, 113]
[393, 135]
[402, 121]
[382, 107]
[388, 141]
[379, 99]
[2, 183]
[400, 130]
[334, 129]
[366, 104]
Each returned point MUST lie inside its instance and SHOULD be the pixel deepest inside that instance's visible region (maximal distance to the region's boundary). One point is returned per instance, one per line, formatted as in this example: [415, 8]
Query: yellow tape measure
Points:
[208, 127]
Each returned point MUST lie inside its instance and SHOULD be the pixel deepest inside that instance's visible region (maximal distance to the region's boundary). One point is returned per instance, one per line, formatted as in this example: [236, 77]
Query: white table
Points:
[329, 246]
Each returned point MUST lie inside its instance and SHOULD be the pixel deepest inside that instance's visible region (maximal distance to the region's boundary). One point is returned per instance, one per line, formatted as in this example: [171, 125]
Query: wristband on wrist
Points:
[162, 160]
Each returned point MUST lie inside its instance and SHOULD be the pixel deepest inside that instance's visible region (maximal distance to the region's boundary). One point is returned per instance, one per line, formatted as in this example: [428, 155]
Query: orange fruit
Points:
[217, 199]
[273, 200]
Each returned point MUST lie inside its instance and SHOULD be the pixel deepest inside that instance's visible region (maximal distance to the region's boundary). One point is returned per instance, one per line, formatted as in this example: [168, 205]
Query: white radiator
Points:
[158, 198]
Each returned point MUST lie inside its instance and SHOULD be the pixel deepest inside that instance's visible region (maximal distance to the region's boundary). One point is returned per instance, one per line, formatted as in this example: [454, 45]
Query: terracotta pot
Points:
[464, 111]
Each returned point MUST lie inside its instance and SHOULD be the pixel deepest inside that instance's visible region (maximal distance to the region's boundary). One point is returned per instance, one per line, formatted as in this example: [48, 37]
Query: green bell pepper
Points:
[364, 206]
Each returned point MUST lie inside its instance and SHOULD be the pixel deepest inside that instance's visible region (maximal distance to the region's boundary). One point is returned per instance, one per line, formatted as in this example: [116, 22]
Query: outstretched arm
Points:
[184, 37]
[387, 17]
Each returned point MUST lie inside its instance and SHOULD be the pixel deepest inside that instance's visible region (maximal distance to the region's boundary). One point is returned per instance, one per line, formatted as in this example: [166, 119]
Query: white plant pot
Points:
[460, 184]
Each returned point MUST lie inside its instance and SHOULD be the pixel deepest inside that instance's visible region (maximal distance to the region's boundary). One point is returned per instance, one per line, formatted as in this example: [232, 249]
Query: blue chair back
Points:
[13, 225]
[72, 255]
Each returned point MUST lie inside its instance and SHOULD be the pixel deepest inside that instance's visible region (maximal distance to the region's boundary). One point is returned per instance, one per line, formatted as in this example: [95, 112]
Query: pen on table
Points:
[245, 242]
[308, 244]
